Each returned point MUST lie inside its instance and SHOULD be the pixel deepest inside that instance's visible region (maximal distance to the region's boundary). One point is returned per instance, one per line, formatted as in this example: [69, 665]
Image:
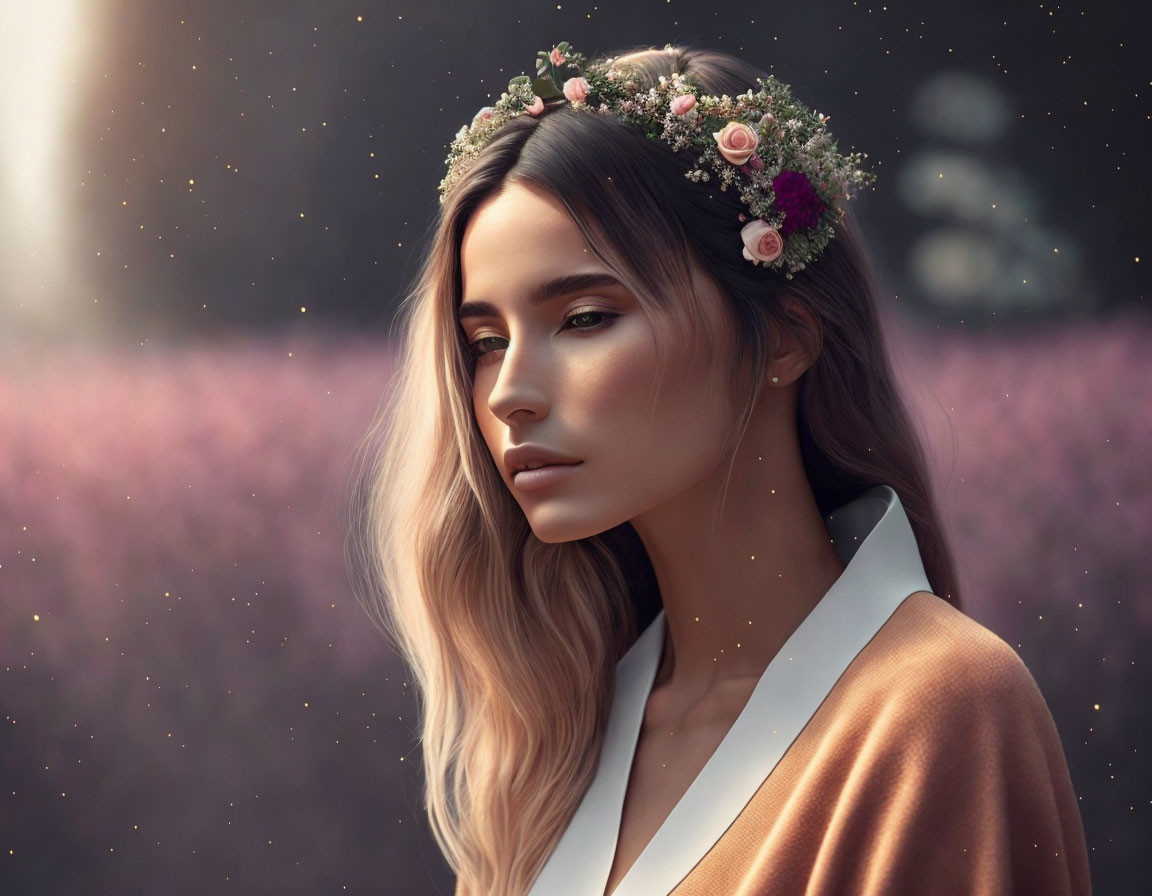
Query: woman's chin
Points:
[552, 528]
[560, 534]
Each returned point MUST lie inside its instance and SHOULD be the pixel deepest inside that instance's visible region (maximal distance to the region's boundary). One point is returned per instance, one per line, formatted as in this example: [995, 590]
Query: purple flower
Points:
[798, 199]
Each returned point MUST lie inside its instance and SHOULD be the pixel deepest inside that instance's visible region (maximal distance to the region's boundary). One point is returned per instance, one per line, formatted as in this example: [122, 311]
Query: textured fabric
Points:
[933, 766]
[874, 539]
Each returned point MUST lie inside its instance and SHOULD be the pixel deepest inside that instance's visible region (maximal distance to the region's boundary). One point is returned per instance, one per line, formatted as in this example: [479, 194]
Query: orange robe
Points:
[893, 746]
[934, 767]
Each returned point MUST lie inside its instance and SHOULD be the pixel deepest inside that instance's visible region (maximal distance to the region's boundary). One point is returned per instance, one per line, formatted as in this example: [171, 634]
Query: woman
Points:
[715, 645]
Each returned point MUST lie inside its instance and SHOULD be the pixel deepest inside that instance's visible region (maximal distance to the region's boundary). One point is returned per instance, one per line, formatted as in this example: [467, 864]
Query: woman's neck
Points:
[737, 582]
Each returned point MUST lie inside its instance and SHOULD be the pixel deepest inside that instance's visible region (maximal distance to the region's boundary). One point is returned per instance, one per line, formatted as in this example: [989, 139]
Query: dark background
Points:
[208, 212]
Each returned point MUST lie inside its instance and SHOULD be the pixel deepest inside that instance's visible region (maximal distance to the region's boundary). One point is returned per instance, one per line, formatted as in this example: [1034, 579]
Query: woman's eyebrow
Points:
[545, 292]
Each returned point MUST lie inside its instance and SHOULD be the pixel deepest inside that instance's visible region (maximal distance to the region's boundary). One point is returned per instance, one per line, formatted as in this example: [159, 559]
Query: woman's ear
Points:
[797, 347]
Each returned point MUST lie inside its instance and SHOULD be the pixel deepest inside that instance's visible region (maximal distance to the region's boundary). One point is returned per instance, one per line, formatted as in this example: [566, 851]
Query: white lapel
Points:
[875, 541]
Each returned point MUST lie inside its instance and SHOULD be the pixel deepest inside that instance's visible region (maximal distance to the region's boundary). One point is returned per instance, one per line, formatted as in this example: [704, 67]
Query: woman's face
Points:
[575, 373]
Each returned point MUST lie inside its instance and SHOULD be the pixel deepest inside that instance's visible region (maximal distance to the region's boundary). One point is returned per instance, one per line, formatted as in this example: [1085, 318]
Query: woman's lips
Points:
[542, 477]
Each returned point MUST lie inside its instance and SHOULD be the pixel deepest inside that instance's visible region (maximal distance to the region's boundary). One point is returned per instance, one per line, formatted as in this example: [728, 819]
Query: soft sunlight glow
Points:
[39, 73]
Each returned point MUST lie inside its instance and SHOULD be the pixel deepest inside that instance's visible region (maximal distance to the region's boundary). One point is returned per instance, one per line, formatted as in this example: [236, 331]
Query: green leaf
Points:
[546, 88]
[519, 79]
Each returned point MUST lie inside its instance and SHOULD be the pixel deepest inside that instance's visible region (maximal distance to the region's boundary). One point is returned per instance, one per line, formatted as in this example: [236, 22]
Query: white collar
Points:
[873, 538]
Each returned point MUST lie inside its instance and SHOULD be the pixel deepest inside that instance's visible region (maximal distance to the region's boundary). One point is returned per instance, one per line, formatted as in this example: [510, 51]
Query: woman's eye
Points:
[485, 356]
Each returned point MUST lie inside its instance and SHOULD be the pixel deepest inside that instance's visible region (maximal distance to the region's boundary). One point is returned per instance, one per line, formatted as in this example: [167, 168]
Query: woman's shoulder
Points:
[932, 665]
[941, 749]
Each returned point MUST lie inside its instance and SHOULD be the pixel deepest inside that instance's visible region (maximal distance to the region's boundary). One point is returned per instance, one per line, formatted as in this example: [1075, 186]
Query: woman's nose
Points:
[520, 383]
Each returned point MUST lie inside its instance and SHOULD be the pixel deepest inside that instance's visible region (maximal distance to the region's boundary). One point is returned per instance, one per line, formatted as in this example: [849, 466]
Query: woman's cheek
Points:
[616, 376]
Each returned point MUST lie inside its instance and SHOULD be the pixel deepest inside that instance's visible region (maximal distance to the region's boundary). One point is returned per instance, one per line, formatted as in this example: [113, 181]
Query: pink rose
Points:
[576, 89]
[535, 107]
[485, 112]
[762, 241]
[683, 103]
[557, 57]
[737, 142]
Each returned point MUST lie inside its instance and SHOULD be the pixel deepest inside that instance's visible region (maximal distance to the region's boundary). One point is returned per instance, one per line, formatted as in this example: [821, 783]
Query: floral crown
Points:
[770, 148]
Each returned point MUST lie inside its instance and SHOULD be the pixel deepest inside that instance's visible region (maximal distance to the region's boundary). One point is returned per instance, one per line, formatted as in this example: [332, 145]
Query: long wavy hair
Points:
[512, 642]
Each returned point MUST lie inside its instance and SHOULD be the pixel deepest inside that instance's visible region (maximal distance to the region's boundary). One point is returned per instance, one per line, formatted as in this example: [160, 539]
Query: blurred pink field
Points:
[139, 472]
[172, 516]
